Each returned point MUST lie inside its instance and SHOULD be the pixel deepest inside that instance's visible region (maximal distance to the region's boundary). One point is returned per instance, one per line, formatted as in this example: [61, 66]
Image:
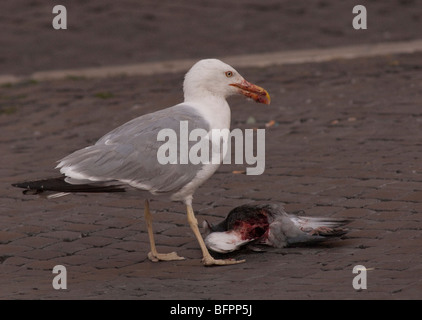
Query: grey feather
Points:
[129, 152]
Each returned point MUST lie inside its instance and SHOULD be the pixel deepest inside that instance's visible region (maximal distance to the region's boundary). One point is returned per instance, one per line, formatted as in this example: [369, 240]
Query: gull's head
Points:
[212, 76]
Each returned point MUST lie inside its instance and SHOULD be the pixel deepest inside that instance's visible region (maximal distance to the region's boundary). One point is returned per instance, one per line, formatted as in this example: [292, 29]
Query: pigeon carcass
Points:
[270, 225]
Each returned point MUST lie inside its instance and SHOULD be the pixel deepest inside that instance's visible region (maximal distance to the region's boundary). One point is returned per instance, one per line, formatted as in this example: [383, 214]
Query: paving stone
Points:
[41, 254]
[6, 236]
[34, 241]
[414, 197]
[63, 235]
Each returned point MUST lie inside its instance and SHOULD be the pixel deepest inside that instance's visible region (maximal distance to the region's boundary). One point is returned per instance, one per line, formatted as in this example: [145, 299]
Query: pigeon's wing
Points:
[311, 229]
[320, 225]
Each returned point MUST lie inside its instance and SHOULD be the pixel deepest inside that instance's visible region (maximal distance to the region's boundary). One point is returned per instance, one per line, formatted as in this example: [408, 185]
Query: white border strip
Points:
[249, 60]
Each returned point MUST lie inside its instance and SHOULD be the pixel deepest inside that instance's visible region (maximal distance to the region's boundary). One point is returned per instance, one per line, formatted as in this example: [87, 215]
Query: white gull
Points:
[126, 157]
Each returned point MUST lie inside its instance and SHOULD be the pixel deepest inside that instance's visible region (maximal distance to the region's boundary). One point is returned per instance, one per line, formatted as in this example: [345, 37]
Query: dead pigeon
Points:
[269, 224]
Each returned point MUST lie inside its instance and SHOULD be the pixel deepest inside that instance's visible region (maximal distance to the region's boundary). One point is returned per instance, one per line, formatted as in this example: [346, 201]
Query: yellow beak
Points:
[253, 91]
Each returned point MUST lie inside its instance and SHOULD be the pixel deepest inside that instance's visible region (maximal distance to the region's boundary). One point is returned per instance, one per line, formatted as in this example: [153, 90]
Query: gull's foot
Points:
[210, 261]
[164, 256]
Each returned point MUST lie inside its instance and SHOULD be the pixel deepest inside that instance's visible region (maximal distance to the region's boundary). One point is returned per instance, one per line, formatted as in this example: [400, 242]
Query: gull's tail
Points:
[57, 187]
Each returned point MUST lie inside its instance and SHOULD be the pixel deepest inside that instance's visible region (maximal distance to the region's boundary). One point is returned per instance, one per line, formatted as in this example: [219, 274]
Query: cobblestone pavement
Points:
[346, 143]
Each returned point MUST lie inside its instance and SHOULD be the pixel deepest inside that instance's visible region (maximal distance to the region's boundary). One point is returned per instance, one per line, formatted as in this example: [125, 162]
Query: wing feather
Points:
[129, 153]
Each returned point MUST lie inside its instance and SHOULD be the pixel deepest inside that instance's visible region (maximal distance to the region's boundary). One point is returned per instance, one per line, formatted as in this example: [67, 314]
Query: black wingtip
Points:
[60, 185]
[23, 185]
[26, 186]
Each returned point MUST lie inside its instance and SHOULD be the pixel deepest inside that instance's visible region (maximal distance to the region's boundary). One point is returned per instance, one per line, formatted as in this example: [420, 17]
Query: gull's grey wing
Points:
[129, 153]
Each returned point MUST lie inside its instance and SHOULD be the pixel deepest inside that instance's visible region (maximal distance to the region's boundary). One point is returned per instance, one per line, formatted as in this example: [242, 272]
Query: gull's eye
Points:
[229, 74]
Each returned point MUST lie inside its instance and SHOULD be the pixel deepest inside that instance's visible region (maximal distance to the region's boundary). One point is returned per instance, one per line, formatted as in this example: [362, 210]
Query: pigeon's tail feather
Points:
[316, 229]
[322, 225]
[57, 187]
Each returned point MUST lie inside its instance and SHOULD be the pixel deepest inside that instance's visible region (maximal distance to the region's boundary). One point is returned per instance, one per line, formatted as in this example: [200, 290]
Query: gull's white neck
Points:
[213, 108]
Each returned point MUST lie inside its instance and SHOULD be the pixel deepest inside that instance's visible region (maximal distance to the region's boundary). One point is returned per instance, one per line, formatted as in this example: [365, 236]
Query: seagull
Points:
[126, 157]
[270, 225]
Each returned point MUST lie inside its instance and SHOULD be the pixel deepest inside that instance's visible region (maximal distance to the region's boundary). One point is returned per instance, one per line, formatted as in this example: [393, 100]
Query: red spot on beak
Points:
[253, 91]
